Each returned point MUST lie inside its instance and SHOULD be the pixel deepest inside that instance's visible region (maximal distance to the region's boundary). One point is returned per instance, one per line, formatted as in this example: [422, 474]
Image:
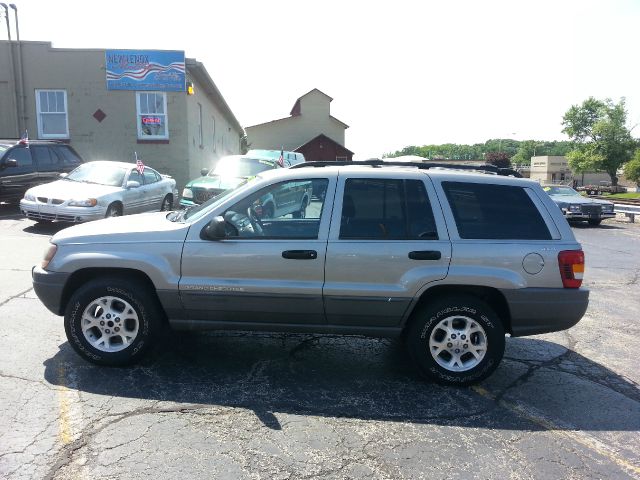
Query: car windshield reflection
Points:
[99, 173]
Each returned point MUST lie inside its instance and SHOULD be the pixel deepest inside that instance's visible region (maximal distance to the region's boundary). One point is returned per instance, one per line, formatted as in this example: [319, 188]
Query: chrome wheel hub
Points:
[110, 324]
[458, 343]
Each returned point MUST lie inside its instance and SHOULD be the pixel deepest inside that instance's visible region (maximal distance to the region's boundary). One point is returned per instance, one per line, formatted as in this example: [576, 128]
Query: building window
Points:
[152, 115]
[200, 136]
[341, 159]
[53, 121]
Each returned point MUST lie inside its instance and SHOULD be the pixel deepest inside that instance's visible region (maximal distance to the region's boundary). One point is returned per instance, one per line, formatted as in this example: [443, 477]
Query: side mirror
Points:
[63, 175]
[215, 229]
[203, 172]
[132, 184]
[12, 162]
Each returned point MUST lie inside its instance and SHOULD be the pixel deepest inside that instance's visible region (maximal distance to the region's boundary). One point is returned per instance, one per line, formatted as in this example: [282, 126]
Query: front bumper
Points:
[49, 287]
[544, 310]
[586, 216]
[60, 213]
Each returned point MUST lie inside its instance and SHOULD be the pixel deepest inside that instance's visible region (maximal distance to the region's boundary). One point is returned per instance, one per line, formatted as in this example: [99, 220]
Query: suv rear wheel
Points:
[112, 321]
[456, 340]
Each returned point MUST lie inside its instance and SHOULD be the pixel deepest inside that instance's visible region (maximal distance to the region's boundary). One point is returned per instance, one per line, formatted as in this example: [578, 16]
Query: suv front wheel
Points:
[112, 322]
[456, 340]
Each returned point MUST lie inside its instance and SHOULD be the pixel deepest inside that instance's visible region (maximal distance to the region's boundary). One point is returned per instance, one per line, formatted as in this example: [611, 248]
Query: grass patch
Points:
[624, 195]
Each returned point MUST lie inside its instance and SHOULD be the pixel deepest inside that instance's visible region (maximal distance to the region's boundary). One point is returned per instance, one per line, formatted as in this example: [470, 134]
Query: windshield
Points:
[100, 173]
[3, 148]
[560, 191]
[240, 167]
[196, 211]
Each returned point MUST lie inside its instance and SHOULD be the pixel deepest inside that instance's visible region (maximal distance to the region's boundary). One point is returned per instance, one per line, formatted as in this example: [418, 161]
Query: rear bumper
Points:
[544, 310]
[49, 287]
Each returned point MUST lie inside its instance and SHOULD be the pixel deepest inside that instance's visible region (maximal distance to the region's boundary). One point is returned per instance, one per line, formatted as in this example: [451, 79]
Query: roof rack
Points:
[376, 163]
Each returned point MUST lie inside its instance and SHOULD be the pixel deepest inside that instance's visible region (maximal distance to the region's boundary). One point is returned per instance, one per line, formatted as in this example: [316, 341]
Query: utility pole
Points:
[22, 120]
[13, 71]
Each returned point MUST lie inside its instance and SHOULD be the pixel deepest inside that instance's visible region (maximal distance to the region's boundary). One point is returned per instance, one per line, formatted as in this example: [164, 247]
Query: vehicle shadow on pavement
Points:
[46, 228]
[9, 210]
[362, 378]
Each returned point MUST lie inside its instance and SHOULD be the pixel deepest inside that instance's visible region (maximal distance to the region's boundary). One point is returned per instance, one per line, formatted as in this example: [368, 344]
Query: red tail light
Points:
[571, 263]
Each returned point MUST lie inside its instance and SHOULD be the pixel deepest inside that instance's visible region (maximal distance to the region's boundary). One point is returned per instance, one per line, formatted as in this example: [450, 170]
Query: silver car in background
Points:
[97, 190]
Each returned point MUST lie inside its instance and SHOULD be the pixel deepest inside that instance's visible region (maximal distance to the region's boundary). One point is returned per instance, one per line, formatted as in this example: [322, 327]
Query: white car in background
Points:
[100, 189]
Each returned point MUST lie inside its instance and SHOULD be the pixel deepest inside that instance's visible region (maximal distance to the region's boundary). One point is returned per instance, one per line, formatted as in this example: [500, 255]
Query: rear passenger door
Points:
[386, 242]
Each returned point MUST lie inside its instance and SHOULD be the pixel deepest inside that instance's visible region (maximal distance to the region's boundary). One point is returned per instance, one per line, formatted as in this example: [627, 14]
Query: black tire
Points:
[595, 222]
[114, 210]
[426, 324]
[167, 203]
[302, 213]
[138, 301]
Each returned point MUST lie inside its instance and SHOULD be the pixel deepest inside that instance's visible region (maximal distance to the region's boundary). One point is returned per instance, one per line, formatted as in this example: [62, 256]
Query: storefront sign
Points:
[159, 70]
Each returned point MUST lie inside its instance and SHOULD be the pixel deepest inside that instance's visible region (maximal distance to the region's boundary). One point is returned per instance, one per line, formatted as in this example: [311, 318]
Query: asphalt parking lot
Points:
[281, 406]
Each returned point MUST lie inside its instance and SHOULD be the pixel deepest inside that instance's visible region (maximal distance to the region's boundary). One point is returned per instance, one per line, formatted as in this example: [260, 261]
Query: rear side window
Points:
[385, 209]
[150, 176]
[43, 156]
[69, 156]
[485, 211]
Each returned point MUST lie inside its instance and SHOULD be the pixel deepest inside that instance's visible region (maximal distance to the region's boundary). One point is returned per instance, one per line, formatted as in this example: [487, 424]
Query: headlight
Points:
[30, 197]
[187, 193]
[48, 255]
[607, 208]
[574, 208]
[85, 202]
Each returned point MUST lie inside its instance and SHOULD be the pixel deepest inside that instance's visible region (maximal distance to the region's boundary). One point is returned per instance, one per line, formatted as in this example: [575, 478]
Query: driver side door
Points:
[266, 271]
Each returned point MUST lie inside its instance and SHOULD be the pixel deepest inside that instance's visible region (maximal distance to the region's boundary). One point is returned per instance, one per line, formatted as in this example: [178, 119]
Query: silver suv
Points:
[450, 260]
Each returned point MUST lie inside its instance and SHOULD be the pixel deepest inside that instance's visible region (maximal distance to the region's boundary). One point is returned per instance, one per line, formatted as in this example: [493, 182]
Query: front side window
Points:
[52, 118]
[22, 156]
[152, 115]
[283, 210]
[500, 212]
[135, 176]
[385, 209]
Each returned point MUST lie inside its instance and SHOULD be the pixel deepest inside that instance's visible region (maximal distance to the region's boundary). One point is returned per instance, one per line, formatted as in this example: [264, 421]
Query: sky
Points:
[400, 72]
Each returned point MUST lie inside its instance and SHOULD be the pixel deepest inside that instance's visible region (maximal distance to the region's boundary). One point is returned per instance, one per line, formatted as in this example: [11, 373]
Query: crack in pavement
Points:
[17, 295]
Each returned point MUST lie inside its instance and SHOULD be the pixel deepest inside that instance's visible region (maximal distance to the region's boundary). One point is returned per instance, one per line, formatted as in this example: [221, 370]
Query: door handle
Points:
[300, 254]
[425, 255]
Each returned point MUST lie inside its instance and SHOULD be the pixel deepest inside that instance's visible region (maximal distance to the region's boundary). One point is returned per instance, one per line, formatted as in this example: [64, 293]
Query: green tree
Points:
[600, 136]
[632, 168]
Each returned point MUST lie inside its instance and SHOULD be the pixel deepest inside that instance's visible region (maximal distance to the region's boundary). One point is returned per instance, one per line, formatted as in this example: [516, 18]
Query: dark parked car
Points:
[575, 207]
[23, 167]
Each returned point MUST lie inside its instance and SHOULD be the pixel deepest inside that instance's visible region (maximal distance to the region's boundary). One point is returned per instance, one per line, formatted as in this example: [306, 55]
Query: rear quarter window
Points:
[499, 212]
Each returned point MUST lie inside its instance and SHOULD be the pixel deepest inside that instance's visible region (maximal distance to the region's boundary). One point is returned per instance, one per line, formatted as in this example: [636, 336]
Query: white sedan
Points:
[100, 189]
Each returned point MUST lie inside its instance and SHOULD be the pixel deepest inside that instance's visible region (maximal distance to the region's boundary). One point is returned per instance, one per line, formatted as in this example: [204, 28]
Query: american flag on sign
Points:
[140, 166]
[24, 139]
